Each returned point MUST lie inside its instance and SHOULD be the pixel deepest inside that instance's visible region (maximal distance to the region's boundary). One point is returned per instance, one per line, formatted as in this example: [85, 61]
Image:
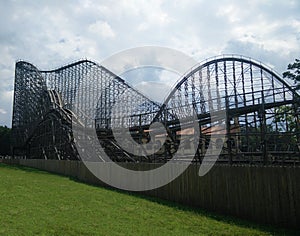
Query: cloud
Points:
[270, 57]
[151, 56]
[155, 83]
[102, 28]
[156, 91]
[52, 33]
[2, 111]
[6, 99]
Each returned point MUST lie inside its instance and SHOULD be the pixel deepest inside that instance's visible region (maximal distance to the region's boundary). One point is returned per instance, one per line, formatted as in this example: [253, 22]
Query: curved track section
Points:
[262, 111]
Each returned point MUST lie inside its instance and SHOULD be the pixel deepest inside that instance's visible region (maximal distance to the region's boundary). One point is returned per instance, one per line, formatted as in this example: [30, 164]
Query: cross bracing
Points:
[261, 112]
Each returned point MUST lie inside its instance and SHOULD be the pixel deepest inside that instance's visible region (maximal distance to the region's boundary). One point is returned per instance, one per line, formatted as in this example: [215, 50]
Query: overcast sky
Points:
[53, 33]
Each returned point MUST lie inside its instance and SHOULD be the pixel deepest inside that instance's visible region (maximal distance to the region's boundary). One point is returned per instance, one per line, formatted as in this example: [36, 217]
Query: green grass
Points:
[36, 202]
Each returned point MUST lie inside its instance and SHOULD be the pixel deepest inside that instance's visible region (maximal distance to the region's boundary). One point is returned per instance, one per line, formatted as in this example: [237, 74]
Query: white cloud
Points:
[232, 12]
[103, 29]
[53, 33]
[6, 99]
[156, 91]
[2, 111]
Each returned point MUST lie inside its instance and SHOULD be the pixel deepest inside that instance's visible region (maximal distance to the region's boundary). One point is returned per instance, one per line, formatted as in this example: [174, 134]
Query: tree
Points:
[293, 72]
[5, 141]
[286, 120]
[286, 115]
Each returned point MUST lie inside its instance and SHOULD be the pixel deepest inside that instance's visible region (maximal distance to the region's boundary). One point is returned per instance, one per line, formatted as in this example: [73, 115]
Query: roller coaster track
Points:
[262, 111]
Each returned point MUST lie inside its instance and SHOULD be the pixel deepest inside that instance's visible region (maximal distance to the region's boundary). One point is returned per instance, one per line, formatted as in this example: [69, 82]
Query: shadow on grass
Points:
[209, 214]
[20, 167]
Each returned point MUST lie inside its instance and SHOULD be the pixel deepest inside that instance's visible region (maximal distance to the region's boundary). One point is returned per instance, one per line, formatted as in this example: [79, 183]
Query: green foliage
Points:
[285, 114]
[5, 140]
[38, 203]
[287, 128]
[293, 72]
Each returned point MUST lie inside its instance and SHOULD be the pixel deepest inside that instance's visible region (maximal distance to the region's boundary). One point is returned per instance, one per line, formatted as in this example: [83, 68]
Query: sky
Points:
[50, 34]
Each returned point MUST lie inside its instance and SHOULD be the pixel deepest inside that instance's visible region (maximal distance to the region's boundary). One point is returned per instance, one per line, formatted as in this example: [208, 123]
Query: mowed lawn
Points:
[34, 202]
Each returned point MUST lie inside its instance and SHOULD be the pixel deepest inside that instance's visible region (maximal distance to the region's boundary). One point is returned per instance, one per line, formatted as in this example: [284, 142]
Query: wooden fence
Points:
[263, 194]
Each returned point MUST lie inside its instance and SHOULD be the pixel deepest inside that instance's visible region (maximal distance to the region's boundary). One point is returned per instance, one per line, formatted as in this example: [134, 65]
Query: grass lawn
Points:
[36, 202]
